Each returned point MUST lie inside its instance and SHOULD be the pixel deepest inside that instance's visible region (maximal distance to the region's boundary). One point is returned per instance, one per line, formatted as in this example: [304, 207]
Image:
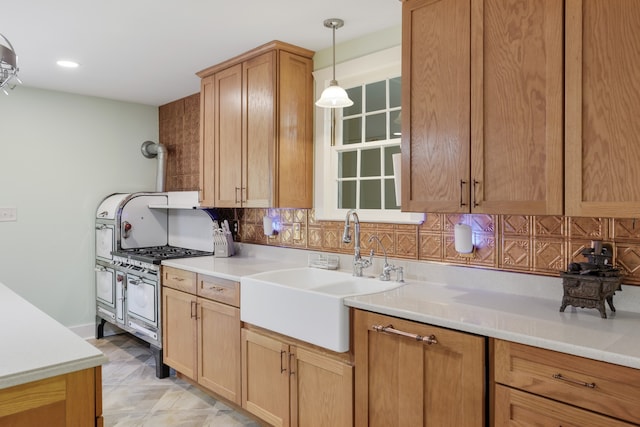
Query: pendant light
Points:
[8, 65]
[334, 96]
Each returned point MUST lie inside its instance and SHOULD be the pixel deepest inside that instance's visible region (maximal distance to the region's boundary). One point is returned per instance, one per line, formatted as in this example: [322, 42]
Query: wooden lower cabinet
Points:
[201, 337]
[515, 408]
[290, 385]
[400, 381]
[69, 400]
[539, 387]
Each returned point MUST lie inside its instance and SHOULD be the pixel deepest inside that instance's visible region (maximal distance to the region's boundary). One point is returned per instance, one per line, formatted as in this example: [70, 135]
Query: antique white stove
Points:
[134, 233]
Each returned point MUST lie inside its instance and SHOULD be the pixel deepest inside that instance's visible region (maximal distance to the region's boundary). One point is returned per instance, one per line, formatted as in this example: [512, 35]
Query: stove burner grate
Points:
[155, 254]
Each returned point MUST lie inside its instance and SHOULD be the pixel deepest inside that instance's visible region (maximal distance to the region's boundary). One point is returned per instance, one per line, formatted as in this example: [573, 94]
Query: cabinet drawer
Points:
[518, 408]
[218, 289]
[598, 386]
[181, 280]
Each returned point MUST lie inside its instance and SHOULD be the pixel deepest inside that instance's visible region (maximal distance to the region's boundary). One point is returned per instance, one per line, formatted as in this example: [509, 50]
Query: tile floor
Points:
[132, 396]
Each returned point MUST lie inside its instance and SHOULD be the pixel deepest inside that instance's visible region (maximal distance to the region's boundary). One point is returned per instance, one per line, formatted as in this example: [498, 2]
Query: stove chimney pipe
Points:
[150, 150]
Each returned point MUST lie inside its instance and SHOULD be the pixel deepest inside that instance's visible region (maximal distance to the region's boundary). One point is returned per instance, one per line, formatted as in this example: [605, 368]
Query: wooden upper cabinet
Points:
[258, 142]
[482, 106]
[256, 129]
[516, 107]
[602, 129]
[435, 105]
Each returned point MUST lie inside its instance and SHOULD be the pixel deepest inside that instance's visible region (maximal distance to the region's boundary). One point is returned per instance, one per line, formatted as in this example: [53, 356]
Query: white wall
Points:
[60, 155]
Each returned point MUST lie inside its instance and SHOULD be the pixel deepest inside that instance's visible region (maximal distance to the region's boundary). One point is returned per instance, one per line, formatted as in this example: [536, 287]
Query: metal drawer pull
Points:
[282, 368]
[431, 339]
[177, 279]
[291, 364]
[569, 380]
[462, 184]
[475, 196]
[216, 288]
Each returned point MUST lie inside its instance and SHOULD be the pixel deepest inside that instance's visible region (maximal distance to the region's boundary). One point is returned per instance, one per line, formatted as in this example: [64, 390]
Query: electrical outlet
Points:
[296, 231]
[8, 214]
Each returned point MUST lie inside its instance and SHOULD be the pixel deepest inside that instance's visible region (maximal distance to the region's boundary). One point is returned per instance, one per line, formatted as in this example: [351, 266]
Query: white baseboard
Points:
[88, 331]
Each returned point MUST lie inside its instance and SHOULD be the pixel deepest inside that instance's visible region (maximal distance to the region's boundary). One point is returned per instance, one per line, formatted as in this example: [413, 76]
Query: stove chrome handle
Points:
[99, 268]
[103, 214]
[101, 227]
[135, 282]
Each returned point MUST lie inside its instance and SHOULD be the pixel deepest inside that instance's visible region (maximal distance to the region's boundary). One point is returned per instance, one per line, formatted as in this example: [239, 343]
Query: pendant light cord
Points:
[334, 52]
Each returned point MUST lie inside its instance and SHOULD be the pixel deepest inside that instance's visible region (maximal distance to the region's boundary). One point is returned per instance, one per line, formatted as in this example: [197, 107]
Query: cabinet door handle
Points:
[291, 364]
[243, 195]
[572, 381]
[282, 368]
[476, 183]
[431, 339]
[236, 195]
[462, 184]
[193, 310]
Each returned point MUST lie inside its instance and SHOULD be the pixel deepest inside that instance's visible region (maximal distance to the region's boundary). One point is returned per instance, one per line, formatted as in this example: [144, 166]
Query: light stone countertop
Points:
[34, 346]
[518, 307]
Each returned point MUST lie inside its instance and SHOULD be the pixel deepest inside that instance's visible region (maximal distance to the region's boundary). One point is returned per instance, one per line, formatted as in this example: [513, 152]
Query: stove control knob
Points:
[126, 229]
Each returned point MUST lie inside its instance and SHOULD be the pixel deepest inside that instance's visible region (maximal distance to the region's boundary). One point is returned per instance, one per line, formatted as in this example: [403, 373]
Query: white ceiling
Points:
[148, 51]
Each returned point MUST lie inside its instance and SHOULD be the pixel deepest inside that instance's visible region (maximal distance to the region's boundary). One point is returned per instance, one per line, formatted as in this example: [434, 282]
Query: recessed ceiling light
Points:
[67, 64]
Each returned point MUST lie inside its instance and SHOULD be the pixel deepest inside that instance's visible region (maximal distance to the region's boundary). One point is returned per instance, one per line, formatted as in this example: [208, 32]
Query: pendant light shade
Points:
[334, 96]
[8, 65]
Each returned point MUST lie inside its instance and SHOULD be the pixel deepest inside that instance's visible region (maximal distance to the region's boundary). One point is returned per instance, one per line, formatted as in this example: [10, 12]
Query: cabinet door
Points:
[258, 149]
[227, 137]
[219, 349]
[403, 382]
[295, 132]
[179, 331]
[265, 378]
[516, 106]
[322, 388]
[517, 409]
[435, 105]
[602, 130]
[207, 162]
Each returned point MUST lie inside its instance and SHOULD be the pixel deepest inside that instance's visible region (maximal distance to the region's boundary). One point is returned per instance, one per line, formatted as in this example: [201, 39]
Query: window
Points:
[354, 167]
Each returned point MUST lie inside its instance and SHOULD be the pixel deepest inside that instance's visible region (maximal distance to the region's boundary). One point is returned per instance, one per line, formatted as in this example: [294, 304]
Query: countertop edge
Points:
[52, 371]
[545, 343]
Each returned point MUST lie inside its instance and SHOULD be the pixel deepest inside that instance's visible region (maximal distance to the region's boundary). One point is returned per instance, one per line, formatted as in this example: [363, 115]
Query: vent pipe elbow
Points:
[150, 150]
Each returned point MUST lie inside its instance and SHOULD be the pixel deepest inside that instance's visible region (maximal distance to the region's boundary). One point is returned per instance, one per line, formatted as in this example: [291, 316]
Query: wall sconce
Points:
[270, 226]
[463, 239]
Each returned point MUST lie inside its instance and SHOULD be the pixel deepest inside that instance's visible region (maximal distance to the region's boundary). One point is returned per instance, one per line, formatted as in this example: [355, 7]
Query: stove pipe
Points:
[150, 150]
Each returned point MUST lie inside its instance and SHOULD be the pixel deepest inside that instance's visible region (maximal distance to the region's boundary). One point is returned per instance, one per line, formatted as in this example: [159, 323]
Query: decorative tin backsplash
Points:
[534, 244]
[179, 132]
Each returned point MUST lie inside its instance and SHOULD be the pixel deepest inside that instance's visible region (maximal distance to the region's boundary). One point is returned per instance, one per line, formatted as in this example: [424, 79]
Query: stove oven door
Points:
[105, 290]
[105, 241]
[141, 299]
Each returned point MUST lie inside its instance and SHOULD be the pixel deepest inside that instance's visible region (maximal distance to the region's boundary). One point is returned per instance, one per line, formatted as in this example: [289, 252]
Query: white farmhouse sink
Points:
[305, 303]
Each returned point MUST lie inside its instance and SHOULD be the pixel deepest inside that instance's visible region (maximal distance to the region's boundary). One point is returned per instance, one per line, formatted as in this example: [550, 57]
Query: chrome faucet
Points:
[359, 263]
[387, 268]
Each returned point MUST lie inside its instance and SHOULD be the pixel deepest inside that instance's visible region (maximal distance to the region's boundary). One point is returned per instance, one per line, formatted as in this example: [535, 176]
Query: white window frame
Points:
[379, 66]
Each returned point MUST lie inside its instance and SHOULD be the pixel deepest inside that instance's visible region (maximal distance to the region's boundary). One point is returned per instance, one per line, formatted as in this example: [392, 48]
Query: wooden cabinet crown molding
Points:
[272, 45]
